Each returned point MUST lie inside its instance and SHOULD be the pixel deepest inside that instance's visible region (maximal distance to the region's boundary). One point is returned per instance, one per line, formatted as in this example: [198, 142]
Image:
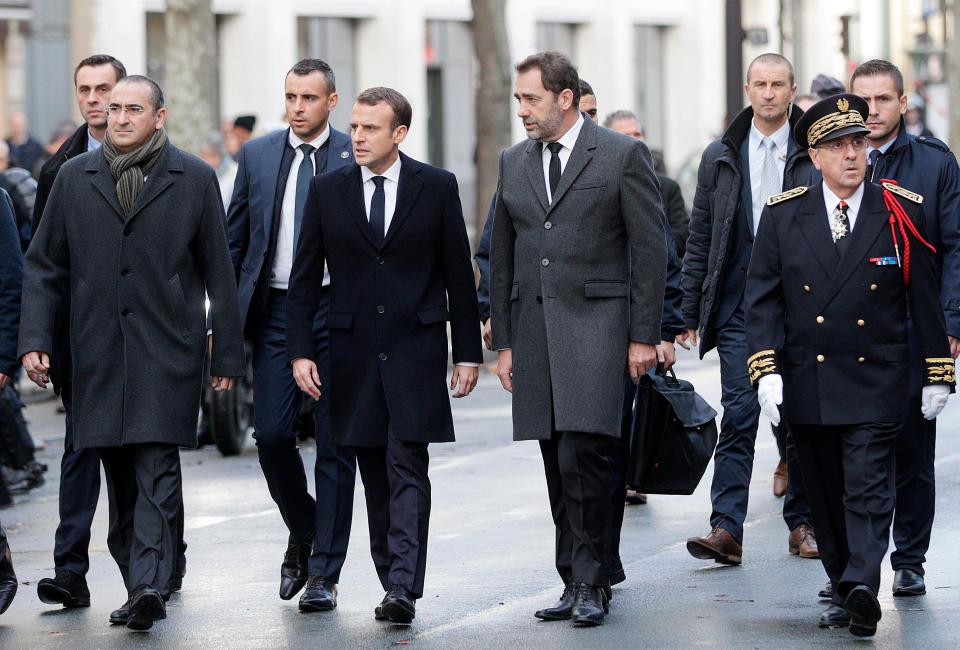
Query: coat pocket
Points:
[432, 315]
[605, 289]
[338, 320]
[180, 305]
[588, 185]
[894, 352]
[515, 292]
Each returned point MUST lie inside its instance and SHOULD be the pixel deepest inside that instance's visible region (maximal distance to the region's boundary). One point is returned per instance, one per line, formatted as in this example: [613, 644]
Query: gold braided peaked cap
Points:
[831, 118]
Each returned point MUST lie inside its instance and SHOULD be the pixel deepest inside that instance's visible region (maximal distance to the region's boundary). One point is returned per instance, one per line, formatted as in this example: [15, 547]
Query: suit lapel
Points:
[407, 191]
[814, 225]
[351, 189]
[534, 167]
[270, 163]
[158, 180]
[339, 145]
[104, 182]
[871, 221]
[580, 157]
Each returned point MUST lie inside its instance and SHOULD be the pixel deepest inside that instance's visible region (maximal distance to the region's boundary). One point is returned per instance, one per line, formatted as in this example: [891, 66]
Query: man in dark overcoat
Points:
[578, 264]
[135, 233]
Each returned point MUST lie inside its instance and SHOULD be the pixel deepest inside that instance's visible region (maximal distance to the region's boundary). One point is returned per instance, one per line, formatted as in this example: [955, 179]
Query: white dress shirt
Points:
[390, 185]
[831, 200]
[92, 143]
[781, 137]
[568, 140]
[283, 260]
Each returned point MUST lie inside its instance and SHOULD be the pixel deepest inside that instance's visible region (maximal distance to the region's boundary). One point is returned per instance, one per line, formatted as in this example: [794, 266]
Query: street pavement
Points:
[490, 562]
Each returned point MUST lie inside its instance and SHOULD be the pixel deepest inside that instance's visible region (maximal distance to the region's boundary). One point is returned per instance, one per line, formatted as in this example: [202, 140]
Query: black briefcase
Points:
[673, 436]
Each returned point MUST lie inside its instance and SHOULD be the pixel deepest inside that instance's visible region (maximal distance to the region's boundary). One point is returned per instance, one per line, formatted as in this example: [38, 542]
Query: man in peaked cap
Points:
[835, 267]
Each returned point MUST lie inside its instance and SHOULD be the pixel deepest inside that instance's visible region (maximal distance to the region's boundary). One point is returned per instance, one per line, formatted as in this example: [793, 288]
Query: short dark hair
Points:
[875, 67]
[772, 58]
[156, 93]
[556, 72]
[586, 89]
[304, 67]
[402, 111]
[98, 60]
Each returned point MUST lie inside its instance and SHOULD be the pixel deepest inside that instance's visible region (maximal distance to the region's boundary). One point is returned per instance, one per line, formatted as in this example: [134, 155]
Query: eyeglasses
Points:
[839, 146]
[132, 110]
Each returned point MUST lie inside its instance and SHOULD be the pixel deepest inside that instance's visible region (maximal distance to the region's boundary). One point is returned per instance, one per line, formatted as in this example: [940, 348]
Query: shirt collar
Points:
[92, 143]
[780, 136]
[831, 200]
[295, 140]
[569, 138]
[882, 148]
[392, 173]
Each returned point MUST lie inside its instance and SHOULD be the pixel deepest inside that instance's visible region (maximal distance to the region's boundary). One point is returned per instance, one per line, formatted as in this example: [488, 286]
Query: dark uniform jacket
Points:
[836, 328]
[721, 208]
[137, 287]
[389, 304]
[11, 276]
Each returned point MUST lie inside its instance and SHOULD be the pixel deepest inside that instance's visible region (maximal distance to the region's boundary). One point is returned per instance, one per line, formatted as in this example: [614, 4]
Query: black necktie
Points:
[554, 148]
[378, 209]
[304, 174]
[872, 163]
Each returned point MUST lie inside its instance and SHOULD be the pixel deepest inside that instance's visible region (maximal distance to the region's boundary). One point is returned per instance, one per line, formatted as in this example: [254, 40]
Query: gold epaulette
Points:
[907, 194]
[762, 363]
[939, 370]
[789, 194]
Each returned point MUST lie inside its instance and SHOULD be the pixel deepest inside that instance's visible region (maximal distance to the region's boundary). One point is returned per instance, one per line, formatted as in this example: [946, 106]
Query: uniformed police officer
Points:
[926, 166]
[834, 269]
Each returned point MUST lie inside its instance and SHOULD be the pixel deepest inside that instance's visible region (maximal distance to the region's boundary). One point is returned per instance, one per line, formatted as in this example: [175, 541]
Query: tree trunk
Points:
[492, 50]
[190, 54]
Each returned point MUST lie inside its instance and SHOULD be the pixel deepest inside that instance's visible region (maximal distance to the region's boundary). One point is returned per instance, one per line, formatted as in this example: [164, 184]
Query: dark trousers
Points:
[397, 491]
[146, 499]
[733, 458]
[577, 468]
[916, 489]
[619, 451]
[796, 508]
[850, 478]
[79, 492]
[276, 402]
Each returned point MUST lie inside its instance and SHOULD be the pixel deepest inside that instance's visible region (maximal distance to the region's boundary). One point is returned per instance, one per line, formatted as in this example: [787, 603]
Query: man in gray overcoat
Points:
[135, 232]
[578, 262]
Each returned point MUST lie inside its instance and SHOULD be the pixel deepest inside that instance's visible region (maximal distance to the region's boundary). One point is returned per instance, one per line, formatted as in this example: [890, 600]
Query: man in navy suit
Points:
[264, 223]
[391, 231]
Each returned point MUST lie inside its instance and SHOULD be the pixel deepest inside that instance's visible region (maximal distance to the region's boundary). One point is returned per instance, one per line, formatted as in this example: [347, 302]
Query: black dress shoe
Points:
[834, 616]
[907, 582]
[146, 606]
[319, 596]
[120, 616]
[293, 571]
[8, 579]
[864, 609]
[398, 606]
[827, 592]
[562, 610]
[67, 589]
[589, 605]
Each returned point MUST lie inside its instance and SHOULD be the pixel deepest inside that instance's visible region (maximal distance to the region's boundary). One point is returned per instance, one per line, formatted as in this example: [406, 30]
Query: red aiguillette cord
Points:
[900, 220]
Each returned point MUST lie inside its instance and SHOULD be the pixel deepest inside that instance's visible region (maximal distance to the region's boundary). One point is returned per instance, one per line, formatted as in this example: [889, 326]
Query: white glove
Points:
[770, 396]
[932, 400]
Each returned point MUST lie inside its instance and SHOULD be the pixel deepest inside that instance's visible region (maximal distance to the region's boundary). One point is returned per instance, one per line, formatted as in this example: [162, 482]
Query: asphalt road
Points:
[490, 561]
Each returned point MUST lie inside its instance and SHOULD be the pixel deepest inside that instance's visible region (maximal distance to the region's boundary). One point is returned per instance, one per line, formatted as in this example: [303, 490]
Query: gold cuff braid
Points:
[760, 364]
[939, 370]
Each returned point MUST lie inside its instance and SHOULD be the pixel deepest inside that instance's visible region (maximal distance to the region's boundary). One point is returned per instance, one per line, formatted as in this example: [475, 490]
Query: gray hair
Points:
[621, 115]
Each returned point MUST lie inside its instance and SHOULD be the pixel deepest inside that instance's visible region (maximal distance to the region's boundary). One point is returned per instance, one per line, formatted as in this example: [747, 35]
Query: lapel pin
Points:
[344, 154]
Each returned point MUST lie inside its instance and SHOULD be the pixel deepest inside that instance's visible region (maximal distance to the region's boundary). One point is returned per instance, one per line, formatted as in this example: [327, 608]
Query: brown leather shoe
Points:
[803, 542]
[719, 546]
[780, 480]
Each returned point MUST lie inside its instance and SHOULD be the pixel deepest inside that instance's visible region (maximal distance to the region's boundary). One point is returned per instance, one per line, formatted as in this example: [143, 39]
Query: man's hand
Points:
[464, 380]
[954, 346]
[221, 384]
[505, 369]
[37, 365]
[666, 354]
[307, 377]
[487, 334]
[770, 396]
[687, 339]
[3, 380]
[641, 357]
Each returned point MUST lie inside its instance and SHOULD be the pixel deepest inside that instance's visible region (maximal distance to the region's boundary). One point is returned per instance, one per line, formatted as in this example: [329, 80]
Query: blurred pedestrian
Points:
[914, 119]
[138, 339]
[825, 86]
[264, 221]
[560, 266]
[214, 153]
[24, 148]
[755, 159]
[22, 190]
[240, 133]
[926, 166]
[60, 134]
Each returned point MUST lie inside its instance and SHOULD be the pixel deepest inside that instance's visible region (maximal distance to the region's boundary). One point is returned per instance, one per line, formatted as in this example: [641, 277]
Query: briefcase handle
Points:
[669, 375]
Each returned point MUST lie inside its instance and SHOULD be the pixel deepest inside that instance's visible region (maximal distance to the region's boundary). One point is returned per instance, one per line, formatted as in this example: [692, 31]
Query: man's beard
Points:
[549, 127]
